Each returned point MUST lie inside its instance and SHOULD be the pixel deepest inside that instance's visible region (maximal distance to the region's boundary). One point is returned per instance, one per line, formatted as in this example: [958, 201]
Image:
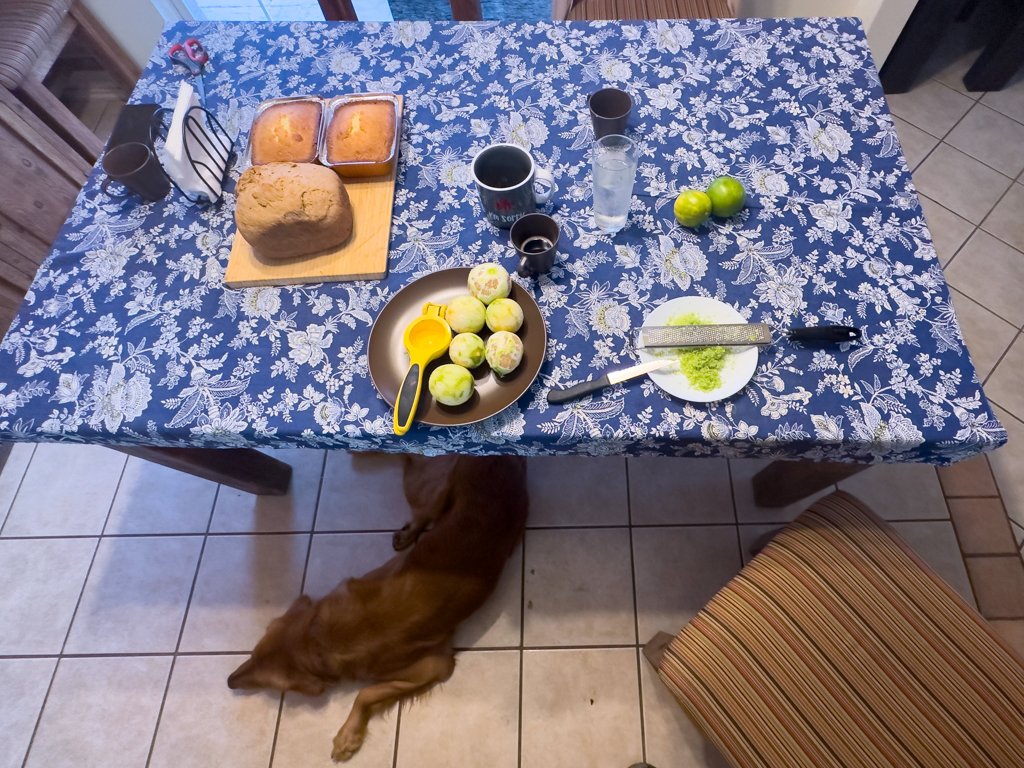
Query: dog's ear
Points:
[244, 676]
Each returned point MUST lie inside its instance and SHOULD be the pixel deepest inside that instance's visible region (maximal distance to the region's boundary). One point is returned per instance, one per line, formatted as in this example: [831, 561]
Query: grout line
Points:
[78, 603]
[316, 512]
[14, 498]
[597, 647]
[1005, 352]
[195, 576]
[636, 616]
[975, 231]
[398, 723]
[392, 530]
[981, 226]
[942, 139]
[956, 535]
[277, 729]
[468, 649]
[1015, 418]
[117, 654]
[632, 557]
[640, 683]
[99, 540]
[522, 643]
[965, 297]
[736, 516]
[921, 162]
[987, 555]
[181, 630]
[302, 590]
[989, 106]
[42, 708]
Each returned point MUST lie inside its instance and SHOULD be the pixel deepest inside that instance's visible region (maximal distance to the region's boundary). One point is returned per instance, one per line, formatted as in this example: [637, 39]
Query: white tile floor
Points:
[128, 592]
[966, 152]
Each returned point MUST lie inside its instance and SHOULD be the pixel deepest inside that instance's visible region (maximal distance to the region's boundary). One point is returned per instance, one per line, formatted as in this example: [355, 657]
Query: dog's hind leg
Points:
[426, 484]
[414, 680]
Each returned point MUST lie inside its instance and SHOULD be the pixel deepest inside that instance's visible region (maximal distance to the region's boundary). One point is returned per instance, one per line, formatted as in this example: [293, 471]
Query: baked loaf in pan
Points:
[288, 133]
[360, 138]
[284, 210]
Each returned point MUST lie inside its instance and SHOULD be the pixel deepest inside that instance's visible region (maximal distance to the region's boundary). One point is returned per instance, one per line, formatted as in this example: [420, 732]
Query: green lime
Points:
[692, 208]
[727, 196]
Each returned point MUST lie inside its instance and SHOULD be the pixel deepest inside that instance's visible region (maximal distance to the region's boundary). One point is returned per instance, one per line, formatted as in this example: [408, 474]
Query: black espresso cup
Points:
[535, 238]
[136, 167]
[505, 177]
[609, 111]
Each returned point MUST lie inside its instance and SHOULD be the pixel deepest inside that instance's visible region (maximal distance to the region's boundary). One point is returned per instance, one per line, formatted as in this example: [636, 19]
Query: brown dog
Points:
[393, 627]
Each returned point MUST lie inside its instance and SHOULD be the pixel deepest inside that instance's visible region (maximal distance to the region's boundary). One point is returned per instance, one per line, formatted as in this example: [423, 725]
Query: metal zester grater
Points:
[738, 335]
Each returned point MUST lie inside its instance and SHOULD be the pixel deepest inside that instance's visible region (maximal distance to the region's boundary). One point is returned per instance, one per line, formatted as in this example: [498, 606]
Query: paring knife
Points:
[556, 396]
[737, 335]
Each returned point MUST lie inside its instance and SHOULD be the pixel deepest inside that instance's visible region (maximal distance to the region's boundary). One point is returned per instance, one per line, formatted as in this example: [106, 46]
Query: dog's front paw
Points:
[346, 744]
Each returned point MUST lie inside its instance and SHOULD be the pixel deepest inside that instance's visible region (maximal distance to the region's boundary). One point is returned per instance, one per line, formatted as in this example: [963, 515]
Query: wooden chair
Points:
[45, 151]
[596, 10]
[32, 35]
[837, 646]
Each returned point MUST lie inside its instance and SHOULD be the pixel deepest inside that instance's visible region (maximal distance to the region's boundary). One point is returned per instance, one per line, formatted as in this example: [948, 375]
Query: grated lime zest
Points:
[702, 366]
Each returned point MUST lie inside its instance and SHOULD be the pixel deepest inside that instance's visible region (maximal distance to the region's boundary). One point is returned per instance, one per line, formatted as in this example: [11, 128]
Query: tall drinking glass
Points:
[614, 174]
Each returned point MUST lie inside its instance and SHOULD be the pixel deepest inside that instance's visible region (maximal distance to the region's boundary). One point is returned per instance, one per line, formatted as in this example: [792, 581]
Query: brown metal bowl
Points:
[389, 361]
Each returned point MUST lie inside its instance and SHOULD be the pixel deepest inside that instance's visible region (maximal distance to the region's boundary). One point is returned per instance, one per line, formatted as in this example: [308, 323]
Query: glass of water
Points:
[614, 174]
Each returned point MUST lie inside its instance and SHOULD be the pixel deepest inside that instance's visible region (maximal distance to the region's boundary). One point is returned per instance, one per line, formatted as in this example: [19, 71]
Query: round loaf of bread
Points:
[284, 210]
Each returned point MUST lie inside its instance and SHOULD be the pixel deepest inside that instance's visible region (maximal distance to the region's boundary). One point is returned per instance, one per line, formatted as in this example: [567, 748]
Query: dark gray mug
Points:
[505, 176]
[136, 167]
[609, 112]
[535, 238]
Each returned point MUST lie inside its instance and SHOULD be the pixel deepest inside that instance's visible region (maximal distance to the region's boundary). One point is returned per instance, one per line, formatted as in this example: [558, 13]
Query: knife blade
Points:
[556, 396]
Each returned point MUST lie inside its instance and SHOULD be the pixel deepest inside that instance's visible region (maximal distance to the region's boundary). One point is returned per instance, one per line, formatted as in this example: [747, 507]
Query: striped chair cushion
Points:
[837, 646]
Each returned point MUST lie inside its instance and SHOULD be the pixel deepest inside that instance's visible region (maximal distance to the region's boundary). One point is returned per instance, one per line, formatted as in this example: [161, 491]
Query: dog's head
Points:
[279, 659]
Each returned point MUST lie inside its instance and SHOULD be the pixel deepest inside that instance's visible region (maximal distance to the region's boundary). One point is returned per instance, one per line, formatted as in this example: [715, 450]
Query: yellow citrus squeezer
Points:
[426, 338]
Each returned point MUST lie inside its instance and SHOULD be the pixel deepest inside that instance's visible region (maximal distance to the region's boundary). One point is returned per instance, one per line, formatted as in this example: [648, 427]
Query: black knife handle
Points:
[556, 396]
[824, 334]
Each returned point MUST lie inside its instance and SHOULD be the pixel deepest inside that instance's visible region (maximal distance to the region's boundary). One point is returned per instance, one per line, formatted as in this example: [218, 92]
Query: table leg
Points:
[783, 482]
[245, 469]
[338, 10]
[654, 650]
[467, 10]
[921, 34]
[1000, 60]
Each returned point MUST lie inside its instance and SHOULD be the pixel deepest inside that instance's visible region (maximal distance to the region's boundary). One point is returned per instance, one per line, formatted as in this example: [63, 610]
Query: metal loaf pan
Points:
[268, 104]
[360, 168]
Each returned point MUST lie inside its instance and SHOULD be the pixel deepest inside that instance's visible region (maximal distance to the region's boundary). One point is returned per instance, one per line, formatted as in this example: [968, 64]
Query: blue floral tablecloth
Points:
[129, 335]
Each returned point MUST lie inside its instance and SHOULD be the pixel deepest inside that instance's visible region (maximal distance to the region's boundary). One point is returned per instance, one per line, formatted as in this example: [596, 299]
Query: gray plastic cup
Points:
[609, 111]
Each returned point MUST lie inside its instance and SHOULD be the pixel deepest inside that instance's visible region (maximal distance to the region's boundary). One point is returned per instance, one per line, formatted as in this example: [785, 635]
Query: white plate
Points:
[740, 364]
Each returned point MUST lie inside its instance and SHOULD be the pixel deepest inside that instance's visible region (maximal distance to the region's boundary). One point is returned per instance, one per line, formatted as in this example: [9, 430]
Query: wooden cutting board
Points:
[364, 256]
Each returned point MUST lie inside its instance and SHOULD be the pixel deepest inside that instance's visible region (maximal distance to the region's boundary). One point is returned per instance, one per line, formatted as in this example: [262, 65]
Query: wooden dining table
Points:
[129, 337]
